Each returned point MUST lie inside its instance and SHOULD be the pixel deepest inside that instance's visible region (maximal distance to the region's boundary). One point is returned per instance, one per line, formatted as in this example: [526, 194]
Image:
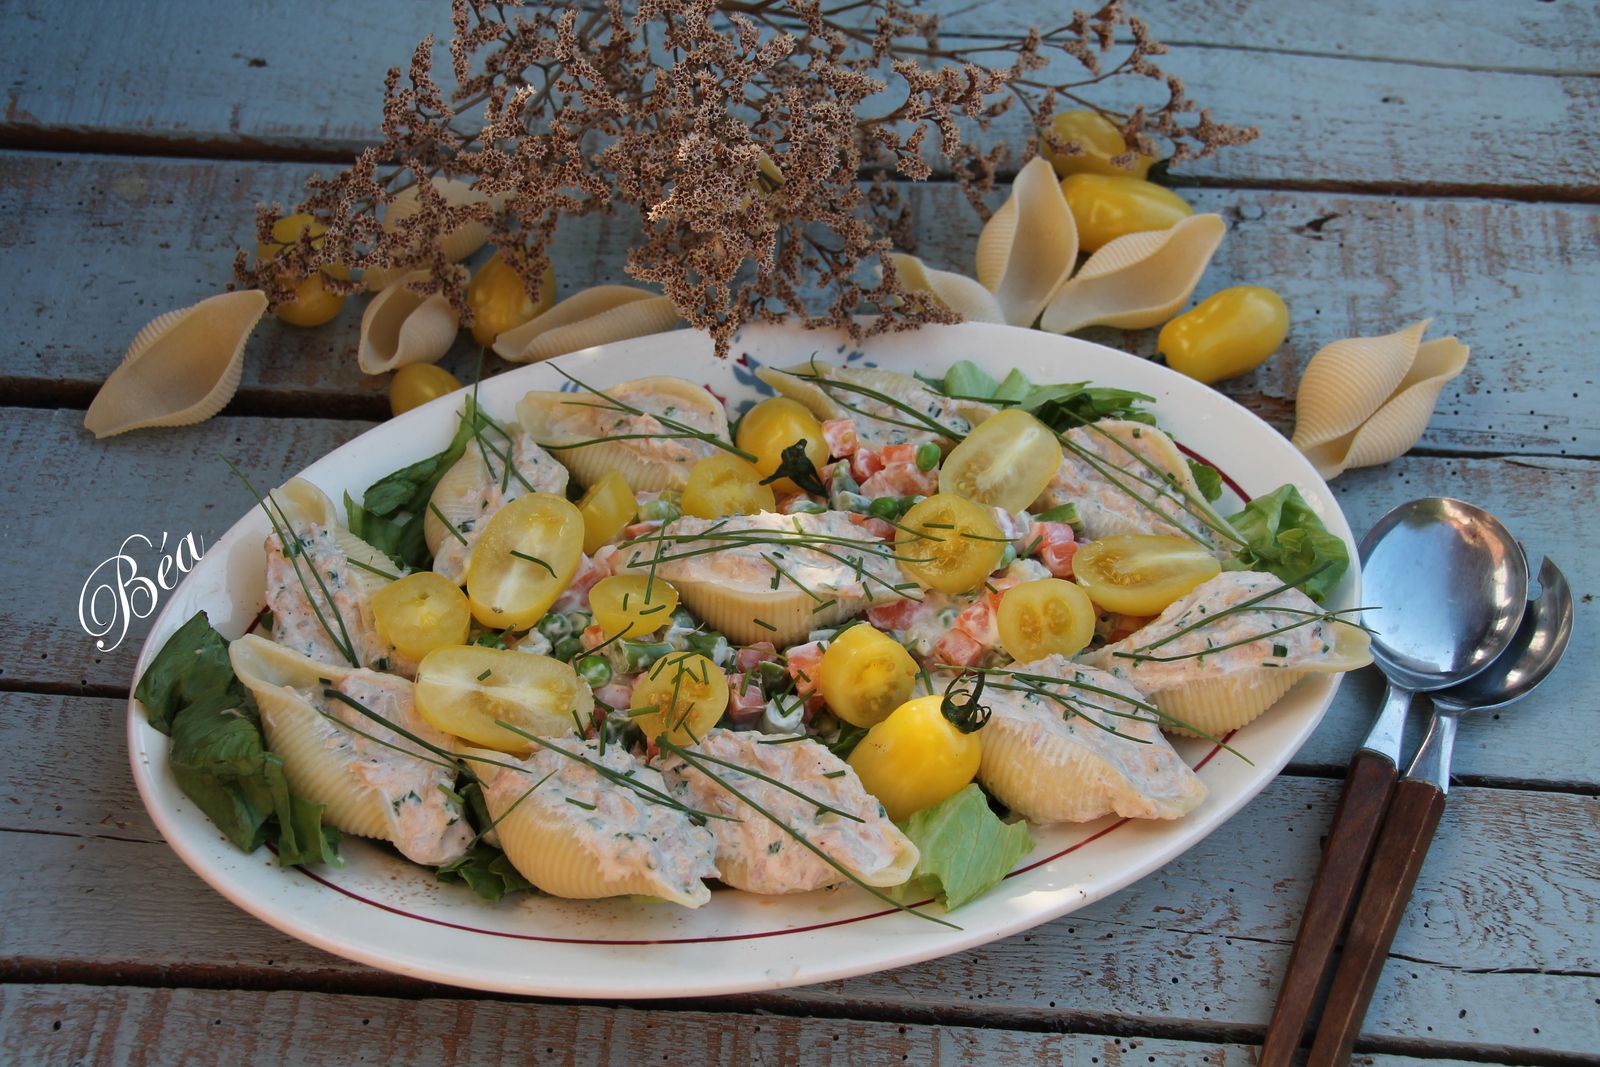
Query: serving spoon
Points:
[1452, 585]
[1419, 801]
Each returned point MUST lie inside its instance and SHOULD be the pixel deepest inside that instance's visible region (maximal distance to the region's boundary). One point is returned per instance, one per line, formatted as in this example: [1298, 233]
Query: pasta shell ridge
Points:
[595, 316]
[401, 326]
[965, 296]
[1028, 248]
[182, 368]
[1139, 280]
[1348, 380]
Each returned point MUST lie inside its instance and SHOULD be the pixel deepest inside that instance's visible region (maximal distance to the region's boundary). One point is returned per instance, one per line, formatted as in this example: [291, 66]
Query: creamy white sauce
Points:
[538, 470]
[587, 417]
[896, 426]
[772, 860]
[296, 624]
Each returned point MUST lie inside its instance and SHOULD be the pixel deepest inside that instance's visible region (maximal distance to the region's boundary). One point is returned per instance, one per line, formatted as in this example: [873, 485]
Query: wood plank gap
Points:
[13, 684]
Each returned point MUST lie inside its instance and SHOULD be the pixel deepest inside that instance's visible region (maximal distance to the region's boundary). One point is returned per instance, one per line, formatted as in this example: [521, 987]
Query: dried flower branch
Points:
[740, 132]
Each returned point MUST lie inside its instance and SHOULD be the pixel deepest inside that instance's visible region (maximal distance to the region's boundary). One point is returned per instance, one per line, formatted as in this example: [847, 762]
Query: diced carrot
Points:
[899, 454]
[957, 649]
[841, 437]
[894, 615]
[864, 463]
[875, 526]
[1127, 625]
[900, 479]
[805, 666]
[746, 700]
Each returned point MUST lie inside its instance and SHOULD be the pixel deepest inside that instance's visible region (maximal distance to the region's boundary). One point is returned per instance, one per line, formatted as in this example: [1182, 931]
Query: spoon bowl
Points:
[1539, 644]
[1451, 584]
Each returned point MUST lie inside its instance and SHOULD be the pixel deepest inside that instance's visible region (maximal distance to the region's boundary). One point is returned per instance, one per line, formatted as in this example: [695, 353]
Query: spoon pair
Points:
[1453, 584]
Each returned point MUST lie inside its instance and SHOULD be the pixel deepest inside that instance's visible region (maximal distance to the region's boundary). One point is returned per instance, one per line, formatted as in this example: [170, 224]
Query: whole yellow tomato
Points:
[417, 383]
[313, 304]
[916, 757]
[1226, 334]
[1101, 142]
[774, 425]
[1106, 208]
[865, 674]
[499, 300]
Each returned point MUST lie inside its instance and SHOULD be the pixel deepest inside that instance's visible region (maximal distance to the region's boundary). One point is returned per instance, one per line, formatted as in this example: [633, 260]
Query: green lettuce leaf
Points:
[217, 755]
[1063, 407]
[1208, 479]
[191, 670]
[487, 871]
[1285, 537]
[966, 848]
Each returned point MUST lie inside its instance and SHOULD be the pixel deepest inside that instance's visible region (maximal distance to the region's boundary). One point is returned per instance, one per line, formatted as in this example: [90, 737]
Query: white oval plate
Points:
[381, 910]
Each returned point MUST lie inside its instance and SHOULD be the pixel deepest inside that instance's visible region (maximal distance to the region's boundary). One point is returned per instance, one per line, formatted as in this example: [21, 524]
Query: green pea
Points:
[594, 670]
[566, 648]
[928, 456]
[554, 627]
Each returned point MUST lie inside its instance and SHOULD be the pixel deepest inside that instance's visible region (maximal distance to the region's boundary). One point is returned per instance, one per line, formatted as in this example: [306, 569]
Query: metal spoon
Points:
[1418, 803]
[1452, 584]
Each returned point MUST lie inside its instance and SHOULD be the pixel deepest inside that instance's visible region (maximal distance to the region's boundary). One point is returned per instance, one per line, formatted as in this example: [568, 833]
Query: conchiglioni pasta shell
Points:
[539, 413]
[1346, 382]
[788, 612]
[1214, 706]
[965, 296]
[594, 316]
[182, 368]
[469, 483]
[457, 244]
[736, 869]
[788, 382]
[314, 748]
[302, 505]
[548, 852]
[1028, 248]
[401, 326]
[1139, 280]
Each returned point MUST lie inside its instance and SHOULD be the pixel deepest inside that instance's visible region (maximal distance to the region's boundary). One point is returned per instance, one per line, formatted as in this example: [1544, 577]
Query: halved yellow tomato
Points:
[686, 694]
[528, 553]
[948, 543]
[607, 508]
[1140, 574]
[635, 604]
[1006, 462]
[774, 425]
[1045, 616]
[865, 674]
[724, 484]
[467, 689]
[421, 612]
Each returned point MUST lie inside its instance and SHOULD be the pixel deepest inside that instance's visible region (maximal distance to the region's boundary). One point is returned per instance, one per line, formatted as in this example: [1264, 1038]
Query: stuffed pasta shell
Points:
[771, 577]
[574, 832]
[1129, 478]
[478, 485]
[859, 394]
[645, 429]
[754, 852]
[1218, 657]
[371, 780]
[320, 588]
[1067, 743]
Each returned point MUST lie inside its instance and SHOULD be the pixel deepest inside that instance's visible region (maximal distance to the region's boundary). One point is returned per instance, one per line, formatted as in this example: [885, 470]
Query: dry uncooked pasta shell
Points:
[1370, 399]
[961, 294]
[458, 244]
[594, 316]
[182, 368]
[1028, 248]
[1137, 281]
[401, 326]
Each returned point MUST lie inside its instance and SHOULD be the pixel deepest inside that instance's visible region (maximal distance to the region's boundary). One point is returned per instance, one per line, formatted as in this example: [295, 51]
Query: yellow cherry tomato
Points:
[1140, 574]
[607, 508]
[1107, 208]
[1045, 616]
[948, 543]
[417, 383]
[1226, 334]
[500, 301]
[525, 558]
[1101, 142]
[466, 690]
[421, 612]
[916, 757]
[774, 425]
[634, 604]
[865, 674]
[313, 303]
[1005, 463]
[723, 484]
[688, 694]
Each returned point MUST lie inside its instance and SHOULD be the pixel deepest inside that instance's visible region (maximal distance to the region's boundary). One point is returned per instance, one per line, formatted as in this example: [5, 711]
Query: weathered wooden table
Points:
[1417, 158]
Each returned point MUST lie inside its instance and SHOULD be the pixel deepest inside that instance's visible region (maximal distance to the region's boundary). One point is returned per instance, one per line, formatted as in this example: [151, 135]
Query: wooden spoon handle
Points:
[1351, 837]
[1407, 833]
